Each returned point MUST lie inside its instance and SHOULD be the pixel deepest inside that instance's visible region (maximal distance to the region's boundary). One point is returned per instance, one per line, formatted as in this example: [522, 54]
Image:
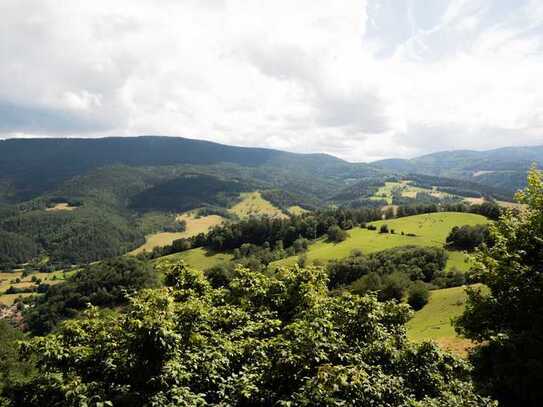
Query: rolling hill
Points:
[428, 230]
[30, 167]
[503, 168]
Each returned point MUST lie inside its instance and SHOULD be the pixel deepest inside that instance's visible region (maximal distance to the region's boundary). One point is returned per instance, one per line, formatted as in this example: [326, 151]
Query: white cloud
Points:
[362, 81]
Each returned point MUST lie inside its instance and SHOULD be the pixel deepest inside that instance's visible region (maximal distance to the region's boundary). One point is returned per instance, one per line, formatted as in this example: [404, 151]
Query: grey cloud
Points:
[44, 120]
[357, 109]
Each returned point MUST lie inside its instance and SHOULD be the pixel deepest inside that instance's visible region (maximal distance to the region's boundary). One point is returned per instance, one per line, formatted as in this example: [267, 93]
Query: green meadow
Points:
[434, 321]
[253, 204]
[199, 258]
[406, 189]
[430, 230]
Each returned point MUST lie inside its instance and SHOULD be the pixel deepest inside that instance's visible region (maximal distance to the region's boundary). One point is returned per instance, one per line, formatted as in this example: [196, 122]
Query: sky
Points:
[362, 80]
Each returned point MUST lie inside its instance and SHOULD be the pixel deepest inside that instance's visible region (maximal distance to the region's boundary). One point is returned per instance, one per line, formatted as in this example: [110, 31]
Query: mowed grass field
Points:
[195, 226]
[199, 258]
[434, 321]
[252, 204]
[430, 229]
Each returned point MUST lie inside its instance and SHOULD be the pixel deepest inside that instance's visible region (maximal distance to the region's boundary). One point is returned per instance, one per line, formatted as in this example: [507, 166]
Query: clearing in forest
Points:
[406, 189]
[195, 226]
[252, 204]
[63, 206]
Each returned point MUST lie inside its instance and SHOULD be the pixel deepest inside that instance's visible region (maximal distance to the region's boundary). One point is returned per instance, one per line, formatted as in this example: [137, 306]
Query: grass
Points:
[434, 321]
[200, 258]
[8, 299]
[407, 190]
[195, 226]
[430, 229]
[63, 206]
[297, 210]
[385, 192]
[252, 204]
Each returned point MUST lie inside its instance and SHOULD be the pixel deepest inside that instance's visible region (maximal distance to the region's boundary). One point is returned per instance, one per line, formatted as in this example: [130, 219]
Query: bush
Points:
[394, 287]
[468, 237]
[268, 340]
[180, 245]
[383, 229]
[336, 234]
[418, 295]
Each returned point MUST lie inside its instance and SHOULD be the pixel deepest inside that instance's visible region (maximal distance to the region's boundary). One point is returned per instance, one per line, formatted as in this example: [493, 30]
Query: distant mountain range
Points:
[32, 167]
[503, 168]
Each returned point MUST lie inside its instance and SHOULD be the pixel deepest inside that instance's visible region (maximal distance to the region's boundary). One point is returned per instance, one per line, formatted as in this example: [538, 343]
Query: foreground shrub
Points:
[262, 341]
[507, 322]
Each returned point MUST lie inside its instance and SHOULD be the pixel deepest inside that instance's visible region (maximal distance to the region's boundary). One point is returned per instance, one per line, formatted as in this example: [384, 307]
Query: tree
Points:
[336, 234]
[507, 322]
[264, 340]
[103, 284]
[12, 370]
[468, 237]
[418, 295]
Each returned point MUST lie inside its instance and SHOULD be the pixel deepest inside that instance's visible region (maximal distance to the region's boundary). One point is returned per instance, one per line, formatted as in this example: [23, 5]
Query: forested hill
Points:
[34, 166]
[503, 168]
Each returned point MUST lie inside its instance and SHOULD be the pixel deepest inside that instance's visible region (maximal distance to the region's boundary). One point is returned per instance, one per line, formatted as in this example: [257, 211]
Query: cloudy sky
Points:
[359, 79]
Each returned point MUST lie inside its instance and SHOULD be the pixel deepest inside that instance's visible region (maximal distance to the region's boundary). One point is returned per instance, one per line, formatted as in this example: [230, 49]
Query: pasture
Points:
[252, 204]
[63, 206]
[194, 224]
[429, 229]
[434, 321]
[199, 258]
[406, 189]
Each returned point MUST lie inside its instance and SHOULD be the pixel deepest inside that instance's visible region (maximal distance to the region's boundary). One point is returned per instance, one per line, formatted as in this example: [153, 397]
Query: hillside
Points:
[503, 168]
[30, 167]
[90, 196]
[429, 230]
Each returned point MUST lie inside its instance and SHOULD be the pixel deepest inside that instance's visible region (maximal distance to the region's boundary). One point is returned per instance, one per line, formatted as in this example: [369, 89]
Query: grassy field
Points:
[252, 204]
[194, 226]
[433, 322]
[200, 258]
[430, 229]
[406, 189]
[64, 206]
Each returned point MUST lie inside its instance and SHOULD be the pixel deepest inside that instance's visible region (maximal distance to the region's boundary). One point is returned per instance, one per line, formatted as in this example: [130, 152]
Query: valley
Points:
[356, 231]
